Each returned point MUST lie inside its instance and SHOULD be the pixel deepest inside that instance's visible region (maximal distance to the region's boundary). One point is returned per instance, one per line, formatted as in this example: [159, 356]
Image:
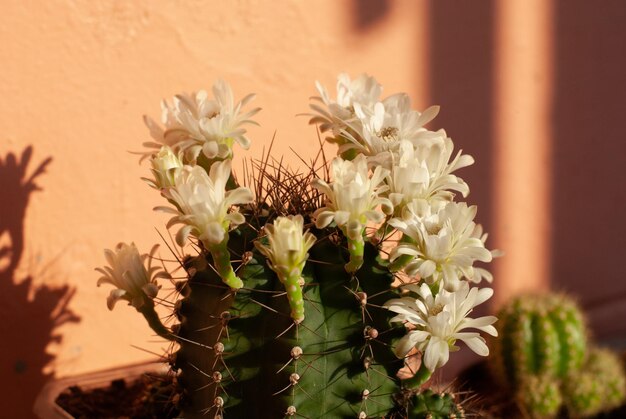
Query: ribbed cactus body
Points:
[600, 385]
[431, 405]
[243, 356]
[540, 396]
[540, 335]
[542, 356]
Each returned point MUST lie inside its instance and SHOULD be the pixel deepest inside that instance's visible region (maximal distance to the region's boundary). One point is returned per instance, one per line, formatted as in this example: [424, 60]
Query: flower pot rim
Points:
[45, 406]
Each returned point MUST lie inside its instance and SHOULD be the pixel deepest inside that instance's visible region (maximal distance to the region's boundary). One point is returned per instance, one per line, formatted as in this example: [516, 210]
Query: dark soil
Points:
[152, 397]
[149, 397]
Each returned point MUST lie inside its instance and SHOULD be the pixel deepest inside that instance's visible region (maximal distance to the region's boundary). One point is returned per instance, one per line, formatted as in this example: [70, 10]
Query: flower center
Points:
[388, 133]
[436, 309]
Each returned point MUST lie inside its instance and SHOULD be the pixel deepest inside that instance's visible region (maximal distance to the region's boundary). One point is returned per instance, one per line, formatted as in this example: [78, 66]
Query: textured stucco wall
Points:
[528, 88]
[76, 76]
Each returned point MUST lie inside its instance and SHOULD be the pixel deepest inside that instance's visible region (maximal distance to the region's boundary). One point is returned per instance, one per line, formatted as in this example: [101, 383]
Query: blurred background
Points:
[535, 90]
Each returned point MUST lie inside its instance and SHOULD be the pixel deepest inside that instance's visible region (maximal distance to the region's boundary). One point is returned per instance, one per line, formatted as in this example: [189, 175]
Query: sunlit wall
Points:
[530, 88]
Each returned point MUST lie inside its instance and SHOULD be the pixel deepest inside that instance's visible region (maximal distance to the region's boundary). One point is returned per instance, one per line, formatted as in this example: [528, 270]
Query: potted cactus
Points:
[544, 361]
[305, 293]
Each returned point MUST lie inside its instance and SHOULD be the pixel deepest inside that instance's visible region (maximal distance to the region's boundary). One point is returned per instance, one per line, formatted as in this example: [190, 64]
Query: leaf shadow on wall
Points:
[367, 13]
[31, 311]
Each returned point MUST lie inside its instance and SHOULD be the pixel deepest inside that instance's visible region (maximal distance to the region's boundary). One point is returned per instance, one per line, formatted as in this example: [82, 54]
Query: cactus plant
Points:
[599, 386]
[543, 356]
[539, 334]
[432, 405]
[290, 304]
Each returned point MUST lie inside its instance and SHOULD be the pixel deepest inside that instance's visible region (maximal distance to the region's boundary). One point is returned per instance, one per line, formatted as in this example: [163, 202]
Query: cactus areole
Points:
[303, 294]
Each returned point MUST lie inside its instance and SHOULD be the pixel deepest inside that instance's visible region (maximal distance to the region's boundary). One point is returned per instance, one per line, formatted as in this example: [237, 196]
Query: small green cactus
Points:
[539, 335]
[287, 305]
[599, 386]
[431, 405]
[540, 396]
[542, 356]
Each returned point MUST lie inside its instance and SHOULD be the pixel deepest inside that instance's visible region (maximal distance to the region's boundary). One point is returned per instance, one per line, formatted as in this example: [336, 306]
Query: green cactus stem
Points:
[422, 375]
[356, 248]
[222, 264]
[151, 316]
[203, 316]
[259, 363]
[293, 286]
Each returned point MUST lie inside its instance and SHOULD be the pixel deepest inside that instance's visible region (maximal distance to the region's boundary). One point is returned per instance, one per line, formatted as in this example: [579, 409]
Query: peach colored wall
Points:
[76, 76]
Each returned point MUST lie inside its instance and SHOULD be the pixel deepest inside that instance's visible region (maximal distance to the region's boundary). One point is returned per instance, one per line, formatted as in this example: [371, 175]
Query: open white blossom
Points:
[442, 243]
[165, 167]
[353, 197]
[134, 279]
[425, 172]
[335, 115]
[382, 127]
[440, 320]
[204, 204]
[196, 123]
[288, 246]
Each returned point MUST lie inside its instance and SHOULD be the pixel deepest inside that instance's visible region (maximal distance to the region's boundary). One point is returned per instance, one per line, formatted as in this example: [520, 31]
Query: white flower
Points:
[287, 253]
[288, 246]
[443, 244]
[439, 322]
[425, 172]
[481, 273]
[353, 197]
[165, 168]
[195, 123]
[381, 127]
[134, 280]
[339, 113]
[204, 204]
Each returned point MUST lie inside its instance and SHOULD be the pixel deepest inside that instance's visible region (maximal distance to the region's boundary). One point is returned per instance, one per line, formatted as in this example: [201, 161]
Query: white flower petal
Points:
[427, 268]
[476, 344]
[406, 343]
[114, 296]
[437, 354]
[323, 218]
[214, 233]
[128, 273]
[183, 234]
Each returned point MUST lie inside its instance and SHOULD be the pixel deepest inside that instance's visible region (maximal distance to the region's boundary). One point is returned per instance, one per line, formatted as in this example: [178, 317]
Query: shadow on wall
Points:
[589, 163]
[30, 313]
[366, 13]
[461, 82]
